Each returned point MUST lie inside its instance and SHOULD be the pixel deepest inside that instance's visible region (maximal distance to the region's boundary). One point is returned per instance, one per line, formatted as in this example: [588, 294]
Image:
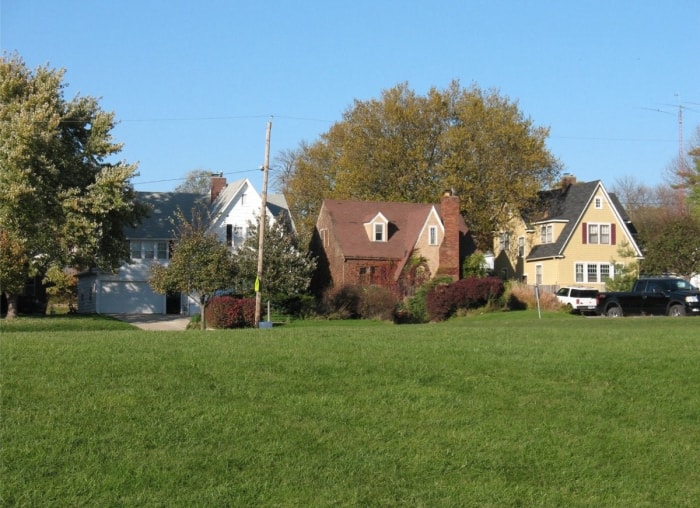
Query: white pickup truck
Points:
[580, 300]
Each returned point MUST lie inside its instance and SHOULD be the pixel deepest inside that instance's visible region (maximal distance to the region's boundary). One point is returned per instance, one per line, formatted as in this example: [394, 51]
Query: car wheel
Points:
[614, 311]
[676, 311]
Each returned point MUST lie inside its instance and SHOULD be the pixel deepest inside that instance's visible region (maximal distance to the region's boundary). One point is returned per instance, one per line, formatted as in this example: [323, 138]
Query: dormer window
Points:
[377, 229]
[546, 233]
[379, 232]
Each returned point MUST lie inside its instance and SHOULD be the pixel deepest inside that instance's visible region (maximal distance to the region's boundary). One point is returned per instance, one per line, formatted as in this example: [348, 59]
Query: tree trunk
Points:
[203, 307]
[12, 306]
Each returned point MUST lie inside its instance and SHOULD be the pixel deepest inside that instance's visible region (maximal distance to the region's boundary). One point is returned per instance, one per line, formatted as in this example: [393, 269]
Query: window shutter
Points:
[584, 232]
[612, 234]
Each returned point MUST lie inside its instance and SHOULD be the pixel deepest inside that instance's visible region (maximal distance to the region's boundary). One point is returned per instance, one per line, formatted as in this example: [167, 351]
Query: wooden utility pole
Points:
[261, 227]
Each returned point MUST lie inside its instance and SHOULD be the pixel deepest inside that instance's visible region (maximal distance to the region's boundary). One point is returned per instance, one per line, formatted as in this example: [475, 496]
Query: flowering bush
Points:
[231, 312]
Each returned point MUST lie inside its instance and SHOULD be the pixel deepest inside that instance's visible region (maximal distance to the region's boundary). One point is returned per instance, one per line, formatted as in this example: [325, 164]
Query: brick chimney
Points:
[566, 180]
[217, 184]
[449, 249]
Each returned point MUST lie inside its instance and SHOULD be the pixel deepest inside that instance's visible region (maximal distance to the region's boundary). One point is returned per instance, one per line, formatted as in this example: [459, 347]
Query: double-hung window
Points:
[596, 273]
[600, 234]
[593, 233]
[546, 234]
[505, 241]
[378, 232]
[148, 249]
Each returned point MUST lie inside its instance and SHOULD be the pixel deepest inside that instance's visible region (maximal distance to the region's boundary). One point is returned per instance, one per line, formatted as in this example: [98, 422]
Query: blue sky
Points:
[194, 83]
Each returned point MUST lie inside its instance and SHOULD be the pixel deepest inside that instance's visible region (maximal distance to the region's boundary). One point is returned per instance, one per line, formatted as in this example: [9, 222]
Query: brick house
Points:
[386, 243]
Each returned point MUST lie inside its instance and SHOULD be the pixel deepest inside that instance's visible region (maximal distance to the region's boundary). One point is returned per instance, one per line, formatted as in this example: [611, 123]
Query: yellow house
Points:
[574, 238]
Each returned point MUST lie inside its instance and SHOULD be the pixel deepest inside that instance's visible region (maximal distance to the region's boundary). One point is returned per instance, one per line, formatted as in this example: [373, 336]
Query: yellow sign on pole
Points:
[257, 284]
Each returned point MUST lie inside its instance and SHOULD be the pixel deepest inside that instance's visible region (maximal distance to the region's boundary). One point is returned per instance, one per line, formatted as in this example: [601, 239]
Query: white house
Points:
[230, 207]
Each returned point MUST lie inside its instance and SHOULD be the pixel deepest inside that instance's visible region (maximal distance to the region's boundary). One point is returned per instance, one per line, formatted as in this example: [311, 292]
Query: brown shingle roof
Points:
[349, 219]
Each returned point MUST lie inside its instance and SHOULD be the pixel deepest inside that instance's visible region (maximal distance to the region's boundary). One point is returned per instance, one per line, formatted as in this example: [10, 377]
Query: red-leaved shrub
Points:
[231, 312]
[444, 300]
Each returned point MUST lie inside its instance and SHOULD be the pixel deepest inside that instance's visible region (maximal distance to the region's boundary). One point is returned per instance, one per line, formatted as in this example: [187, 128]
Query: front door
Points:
[172, 303]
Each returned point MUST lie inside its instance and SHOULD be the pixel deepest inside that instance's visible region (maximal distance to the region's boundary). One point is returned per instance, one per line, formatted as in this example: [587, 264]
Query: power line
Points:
[185, 178]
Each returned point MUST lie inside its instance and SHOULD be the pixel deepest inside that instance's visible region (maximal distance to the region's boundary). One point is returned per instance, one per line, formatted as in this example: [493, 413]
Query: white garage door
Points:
[129, 298]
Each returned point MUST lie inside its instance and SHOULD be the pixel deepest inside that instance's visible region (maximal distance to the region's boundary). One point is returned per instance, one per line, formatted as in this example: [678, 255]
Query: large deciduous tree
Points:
[200, 264]
[197, 181]
[676, 249]
[691, 176]
[63, 200]
[410, 148]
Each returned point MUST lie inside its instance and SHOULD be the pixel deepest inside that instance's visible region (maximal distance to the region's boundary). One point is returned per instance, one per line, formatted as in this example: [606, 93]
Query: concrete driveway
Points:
[156, 322]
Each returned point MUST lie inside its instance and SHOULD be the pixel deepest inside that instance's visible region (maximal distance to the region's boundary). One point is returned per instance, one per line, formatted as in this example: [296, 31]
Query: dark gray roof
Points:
[163, 207]
[563, 205]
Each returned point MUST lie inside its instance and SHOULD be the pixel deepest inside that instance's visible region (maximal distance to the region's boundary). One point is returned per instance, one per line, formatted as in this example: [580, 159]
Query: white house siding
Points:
[243, 208]
[128, 297]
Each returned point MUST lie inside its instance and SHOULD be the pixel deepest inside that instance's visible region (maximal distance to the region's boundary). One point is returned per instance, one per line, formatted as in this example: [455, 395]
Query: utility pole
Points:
[261, 226]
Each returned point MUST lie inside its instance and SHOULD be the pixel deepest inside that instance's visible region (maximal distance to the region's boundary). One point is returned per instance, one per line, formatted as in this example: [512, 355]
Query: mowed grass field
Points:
[502, 409]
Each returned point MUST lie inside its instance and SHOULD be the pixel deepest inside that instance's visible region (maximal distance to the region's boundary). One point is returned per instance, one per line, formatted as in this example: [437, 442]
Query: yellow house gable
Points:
[579, 242]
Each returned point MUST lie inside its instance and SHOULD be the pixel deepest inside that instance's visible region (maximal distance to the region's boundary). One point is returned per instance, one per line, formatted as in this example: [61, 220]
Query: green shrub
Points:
[414, 309]
[195, 321]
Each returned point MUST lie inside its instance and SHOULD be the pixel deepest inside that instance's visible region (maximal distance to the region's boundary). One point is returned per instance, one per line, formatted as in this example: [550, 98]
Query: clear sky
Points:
[194, 83]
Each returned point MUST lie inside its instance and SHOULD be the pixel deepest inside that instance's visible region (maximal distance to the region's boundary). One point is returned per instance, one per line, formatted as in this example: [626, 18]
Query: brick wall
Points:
[449, 249]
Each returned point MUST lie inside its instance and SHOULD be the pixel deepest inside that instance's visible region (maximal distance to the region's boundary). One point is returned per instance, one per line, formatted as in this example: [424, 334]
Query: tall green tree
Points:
[287, 268]
[676, 249]
[63, 201]
[407, 147]
[200, 264]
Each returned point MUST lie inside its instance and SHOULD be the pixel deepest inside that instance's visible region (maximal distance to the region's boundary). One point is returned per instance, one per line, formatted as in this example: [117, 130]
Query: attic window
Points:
[432, 233]
[598, 203]
[379, 232]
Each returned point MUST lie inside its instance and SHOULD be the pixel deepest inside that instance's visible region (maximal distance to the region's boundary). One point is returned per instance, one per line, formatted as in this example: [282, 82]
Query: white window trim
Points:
[378, 232]
[599, 203]
[584, 274]
[505, 241]
[148, 250]
[598, 226]
[432, 235]
[546, 233]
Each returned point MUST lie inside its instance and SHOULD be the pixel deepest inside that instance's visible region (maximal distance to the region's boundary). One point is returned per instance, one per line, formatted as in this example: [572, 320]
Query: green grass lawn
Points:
[503, 409]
